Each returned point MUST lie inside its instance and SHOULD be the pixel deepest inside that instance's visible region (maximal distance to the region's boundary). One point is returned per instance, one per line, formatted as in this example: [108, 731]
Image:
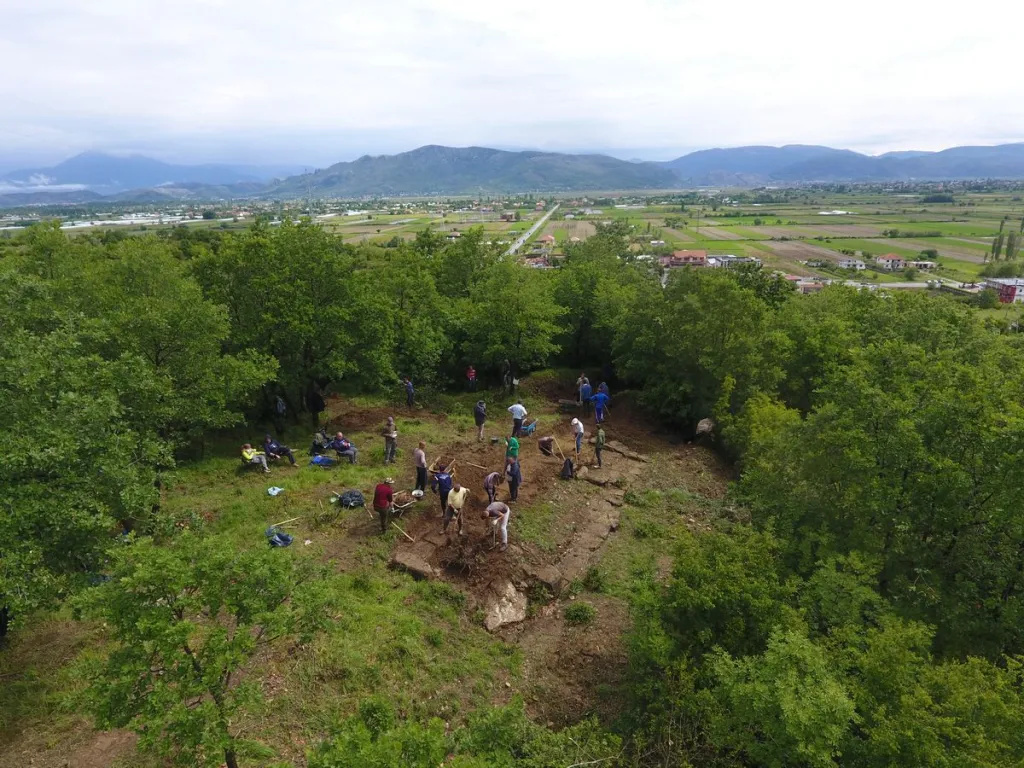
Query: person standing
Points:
[499, 513]
[390, 433]
[577, 430]
[518, 414]
[515, 479]
[275, 450]
[491, 483]
[384, 503]
[599, 445]
[579, 386]
[585, 393]
[480, 417]
[512, 448]
[600, 400]
[456, 501]
[410, 392]
[280, 410]
[471, 378]
[442, 485]
[420, 456]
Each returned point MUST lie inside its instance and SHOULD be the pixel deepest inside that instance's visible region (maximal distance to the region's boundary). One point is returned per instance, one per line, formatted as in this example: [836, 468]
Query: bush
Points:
[580, 614]
[593, 580]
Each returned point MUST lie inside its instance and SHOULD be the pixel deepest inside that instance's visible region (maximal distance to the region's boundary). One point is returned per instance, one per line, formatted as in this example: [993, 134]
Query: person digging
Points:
[456, 501]
[498, 513]
[384, 503]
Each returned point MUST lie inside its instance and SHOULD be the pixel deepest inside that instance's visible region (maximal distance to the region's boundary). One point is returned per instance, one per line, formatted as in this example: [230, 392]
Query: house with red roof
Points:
[891, 262]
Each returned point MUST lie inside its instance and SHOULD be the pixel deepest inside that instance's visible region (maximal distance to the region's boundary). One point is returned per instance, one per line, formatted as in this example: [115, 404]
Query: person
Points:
[420, 455]
[506, 374]
[344, 448]
[603, 387]
[599, 445]
[512, 448]
[480, 416]
[585, 393]
[390, 433]
[315, 404]
[577, 430]
[280, 409]
[579, 386]
[471, 378]
[275, 450]
[456, 501]
[252, 456]
[491, 483]
[600, 401]
[410, 393]
[442, 485]
[515, 479]
[384, 502]
[500, 514]
[518, 414]
[546, 445]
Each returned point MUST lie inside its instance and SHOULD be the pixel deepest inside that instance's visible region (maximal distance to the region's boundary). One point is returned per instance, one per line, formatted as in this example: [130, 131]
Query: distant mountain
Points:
[109, 174]
[435, 170]
[748, 166]
[60, 197]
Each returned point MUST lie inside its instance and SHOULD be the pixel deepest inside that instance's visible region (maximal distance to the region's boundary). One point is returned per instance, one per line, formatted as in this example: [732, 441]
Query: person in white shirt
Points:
[518, 414]
[577, 429]
[499, 513]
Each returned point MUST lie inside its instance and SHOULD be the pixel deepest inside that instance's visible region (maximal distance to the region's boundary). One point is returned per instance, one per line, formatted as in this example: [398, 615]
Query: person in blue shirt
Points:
[344, 447]
[600, 401]
[585, 393]
[275, 450]
[515, 478]
[409, 391]
[442, 485]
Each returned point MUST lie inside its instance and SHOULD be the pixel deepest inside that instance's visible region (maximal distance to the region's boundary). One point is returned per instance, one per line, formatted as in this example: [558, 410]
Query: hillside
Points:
[435, 170]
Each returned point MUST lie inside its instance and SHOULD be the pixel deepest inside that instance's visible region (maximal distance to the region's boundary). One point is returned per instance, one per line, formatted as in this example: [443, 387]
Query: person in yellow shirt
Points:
[456, 501]
[251, 456]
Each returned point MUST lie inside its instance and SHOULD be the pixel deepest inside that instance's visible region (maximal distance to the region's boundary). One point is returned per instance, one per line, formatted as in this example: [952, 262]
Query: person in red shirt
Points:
[471, 378]
[384, 503]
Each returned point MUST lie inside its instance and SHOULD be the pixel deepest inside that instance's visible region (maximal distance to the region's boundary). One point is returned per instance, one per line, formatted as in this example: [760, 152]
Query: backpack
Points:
[277, 538]
[568, 473]
[350, 499]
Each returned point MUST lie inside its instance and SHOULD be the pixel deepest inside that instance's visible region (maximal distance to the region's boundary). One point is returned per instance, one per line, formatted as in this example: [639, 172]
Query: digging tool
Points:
[559, 449]
[410, 538]
[284, 522]
[476, 465]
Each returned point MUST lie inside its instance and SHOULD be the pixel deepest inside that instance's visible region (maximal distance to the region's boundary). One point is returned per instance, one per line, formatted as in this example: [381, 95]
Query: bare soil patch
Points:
[717, 233]
[801, 251]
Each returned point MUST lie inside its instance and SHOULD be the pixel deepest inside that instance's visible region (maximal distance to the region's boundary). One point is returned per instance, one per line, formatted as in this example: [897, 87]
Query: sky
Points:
[314, 82]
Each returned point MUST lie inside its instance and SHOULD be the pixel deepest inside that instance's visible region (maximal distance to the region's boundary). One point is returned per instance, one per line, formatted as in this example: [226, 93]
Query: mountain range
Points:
[437, 170]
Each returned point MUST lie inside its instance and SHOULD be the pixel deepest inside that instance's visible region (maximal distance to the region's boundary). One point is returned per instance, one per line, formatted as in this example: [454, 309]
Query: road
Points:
[519, 243]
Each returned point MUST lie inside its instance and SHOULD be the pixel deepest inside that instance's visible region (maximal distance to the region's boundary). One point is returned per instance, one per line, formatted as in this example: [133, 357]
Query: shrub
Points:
[580, 614]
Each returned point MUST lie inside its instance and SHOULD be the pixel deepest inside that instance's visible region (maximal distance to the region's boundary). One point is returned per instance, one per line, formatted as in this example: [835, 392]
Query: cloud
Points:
[319, 81]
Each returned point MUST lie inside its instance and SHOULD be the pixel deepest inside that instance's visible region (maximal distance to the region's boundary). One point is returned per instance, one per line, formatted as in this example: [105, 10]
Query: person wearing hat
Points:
[577, 430]
[499, 514]
[384, 502]
[456, 501]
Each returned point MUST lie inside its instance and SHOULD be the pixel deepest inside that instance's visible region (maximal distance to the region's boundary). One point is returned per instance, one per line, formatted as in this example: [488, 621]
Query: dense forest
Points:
[861, 607]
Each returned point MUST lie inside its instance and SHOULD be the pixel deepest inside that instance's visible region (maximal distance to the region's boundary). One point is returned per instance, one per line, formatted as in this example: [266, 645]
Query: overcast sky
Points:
[315, 82]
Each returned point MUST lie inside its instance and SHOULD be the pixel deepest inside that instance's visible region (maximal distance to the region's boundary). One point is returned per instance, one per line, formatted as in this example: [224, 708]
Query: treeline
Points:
[866, 611]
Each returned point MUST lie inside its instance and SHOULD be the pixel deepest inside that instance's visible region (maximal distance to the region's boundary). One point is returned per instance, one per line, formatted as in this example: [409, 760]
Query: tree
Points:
[988, 299]
[997, 246]
[185, 620]
[209, 215]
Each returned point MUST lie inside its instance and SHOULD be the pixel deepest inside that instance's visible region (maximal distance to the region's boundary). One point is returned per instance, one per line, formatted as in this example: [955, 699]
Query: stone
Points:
[547, 575]
[614, 520]
[413, 564]
[508, 607]
[705, 426]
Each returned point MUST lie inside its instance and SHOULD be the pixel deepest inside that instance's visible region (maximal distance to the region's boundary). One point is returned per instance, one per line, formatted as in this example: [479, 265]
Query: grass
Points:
[580, 614]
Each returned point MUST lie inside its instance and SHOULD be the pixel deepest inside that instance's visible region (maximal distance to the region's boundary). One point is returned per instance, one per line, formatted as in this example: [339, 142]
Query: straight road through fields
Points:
[529, 233]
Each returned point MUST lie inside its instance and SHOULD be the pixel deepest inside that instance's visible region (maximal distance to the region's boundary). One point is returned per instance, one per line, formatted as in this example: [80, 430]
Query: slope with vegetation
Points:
[853, 598]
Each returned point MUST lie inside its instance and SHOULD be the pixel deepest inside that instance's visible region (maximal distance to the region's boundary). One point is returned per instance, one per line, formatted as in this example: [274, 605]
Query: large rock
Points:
[547, 575]
[413, 564]
[507, 607]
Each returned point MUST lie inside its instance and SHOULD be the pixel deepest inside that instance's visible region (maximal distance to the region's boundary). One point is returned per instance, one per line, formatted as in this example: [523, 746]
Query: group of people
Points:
[272, 451]
[588, 398]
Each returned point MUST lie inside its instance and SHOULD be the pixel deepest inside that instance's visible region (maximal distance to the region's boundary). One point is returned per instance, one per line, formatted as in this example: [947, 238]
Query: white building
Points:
[848, 262]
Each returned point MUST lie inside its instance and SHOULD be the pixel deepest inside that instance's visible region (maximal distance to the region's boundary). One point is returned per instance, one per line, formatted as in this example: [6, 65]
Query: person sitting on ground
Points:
[456, 501]
[546, 445]
[491, 483]
[577, 430]
[420, 456]
[275, 450]
[515, 479]
[599, 445]
[251, 456]
[480, 416]
[512, 447]
[442, 485]
[344, 447]
[500, 514]
[585, 394]
[518, 414]
[390, 433]
[384, 503]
